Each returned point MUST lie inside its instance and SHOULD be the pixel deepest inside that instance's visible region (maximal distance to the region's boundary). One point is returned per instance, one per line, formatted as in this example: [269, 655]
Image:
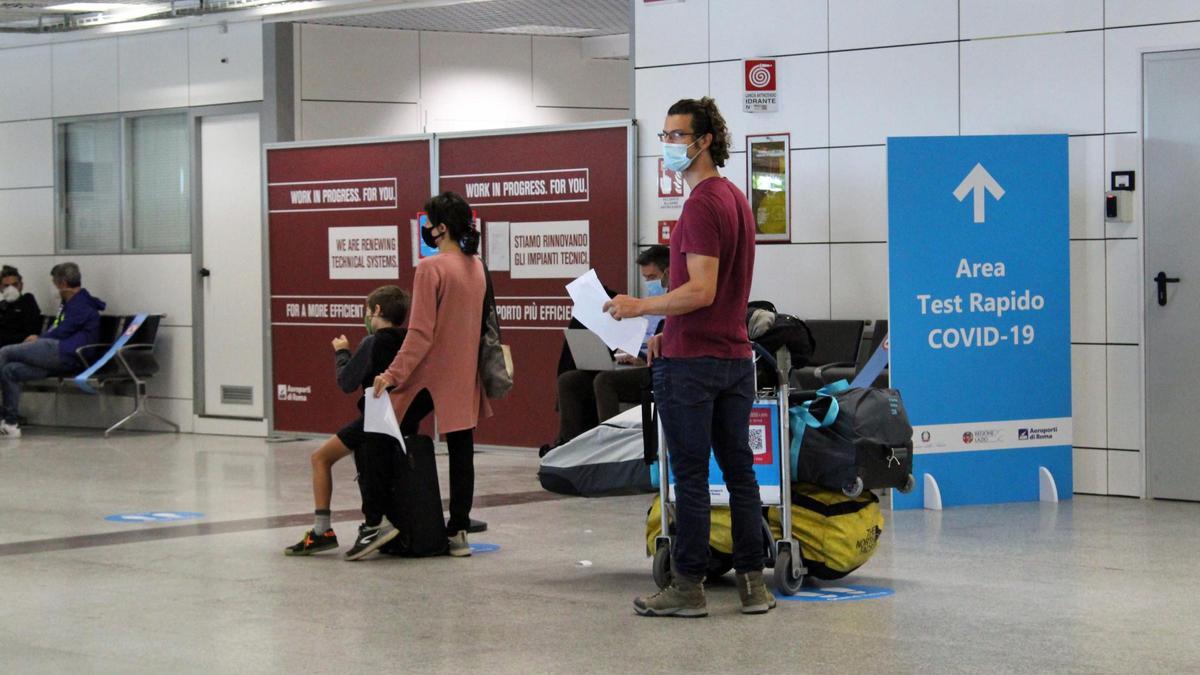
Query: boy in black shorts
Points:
[387, 310]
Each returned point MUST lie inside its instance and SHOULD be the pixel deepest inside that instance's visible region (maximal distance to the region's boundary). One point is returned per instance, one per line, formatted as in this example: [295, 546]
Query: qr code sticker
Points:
[758, 440]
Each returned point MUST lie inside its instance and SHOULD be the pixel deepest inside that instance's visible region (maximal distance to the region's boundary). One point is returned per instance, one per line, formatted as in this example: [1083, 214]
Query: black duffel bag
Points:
[852, 439]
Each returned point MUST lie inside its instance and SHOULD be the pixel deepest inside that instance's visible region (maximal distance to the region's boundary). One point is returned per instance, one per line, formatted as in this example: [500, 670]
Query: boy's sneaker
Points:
[313, 543]
[371, 539]
[9, 430]
[457, 545]
[756, 599]
[683, 597]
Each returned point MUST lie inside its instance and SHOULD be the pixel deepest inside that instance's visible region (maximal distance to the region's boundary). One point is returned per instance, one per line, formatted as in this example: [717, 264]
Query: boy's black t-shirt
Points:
[373, 356]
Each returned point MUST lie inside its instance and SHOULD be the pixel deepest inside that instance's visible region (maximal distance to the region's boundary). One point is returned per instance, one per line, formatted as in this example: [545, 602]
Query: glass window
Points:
[92, 185]
[158, 185]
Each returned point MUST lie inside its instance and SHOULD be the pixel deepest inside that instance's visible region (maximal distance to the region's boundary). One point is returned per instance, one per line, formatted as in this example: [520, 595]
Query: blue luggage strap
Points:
[81, 380]
[800, 417]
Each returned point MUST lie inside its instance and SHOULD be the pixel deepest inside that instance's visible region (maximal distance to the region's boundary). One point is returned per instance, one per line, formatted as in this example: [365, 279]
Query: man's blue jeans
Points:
[704, 403]
[28, 361]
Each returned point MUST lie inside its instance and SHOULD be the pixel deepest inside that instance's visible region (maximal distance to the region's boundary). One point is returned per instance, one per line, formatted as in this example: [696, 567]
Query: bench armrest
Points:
[89, 353]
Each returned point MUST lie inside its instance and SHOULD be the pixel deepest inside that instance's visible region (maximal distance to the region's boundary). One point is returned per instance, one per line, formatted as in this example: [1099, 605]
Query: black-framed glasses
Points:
[674, 135]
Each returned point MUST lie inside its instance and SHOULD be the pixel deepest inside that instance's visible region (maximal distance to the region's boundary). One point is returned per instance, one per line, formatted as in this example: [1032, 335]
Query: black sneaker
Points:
[313, 543]
[371, 539]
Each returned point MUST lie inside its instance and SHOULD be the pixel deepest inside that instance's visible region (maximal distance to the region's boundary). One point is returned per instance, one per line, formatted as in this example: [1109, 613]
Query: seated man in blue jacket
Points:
[53, 353]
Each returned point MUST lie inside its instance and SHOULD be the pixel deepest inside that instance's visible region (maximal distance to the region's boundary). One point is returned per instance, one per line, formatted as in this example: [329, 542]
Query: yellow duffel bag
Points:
[720, 533]
[837, 534]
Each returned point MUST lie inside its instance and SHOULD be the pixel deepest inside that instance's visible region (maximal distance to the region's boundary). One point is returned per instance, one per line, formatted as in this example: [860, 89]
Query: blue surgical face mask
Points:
[675, 156]
[654, 287]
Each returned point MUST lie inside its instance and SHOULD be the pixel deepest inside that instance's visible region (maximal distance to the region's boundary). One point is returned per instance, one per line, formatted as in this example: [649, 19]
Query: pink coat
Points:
[441, 351]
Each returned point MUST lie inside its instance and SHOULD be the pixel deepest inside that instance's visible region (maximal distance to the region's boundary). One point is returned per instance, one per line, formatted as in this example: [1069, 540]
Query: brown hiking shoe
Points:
[756, 599]
[683, 597]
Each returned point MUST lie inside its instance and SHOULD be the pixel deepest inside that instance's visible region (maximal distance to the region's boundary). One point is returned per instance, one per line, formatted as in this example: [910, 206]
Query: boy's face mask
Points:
[370, 324]
[10, 294]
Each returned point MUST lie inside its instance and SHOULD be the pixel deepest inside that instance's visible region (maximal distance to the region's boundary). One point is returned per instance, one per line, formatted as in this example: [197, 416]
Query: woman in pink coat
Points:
[438, 366]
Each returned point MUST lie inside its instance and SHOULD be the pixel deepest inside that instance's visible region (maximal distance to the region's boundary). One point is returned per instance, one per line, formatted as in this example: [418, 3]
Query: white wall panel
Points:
[85, 77]
[795, 277]
[25, 77]
[655, 89]
[1040, 84]
[173, 349]
[335, 119]
[1087, 291]
[563, 77]
[1089, 395]
[875, 23]
[860, 281]
[904, 91]
[1090, 471]
[750, 28]
[1087, 186]
[1123, 152]
[988, 18]
[858, 194]
[803, 109]
[547, 116]
[26, 154]
[225, 67]
[810, 195]
[1123, 51]
[160, 284]
[472, 80]
[1125, 403]
[1124, 291]
[153, 70]
[1125, 473]
[1131, 12]
[359, 64]
[28, 221]
[670, 32]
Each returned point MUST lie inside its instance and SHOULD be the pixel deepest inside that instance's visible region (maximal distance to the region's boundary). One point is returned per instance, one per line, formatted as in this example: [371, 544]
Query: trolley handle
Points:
[764, 353]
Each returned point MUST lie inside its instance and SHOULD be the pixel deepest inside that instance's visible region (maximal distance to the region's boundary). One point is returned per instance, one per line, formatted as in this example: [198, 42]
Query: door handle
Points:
[205, 272]
[1161, 279]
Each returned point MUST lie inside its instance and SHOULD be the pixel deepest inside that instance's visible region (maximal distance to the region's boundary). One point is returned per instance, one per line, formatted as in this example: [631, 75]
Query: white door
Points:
[1171, 156]
[231, 275]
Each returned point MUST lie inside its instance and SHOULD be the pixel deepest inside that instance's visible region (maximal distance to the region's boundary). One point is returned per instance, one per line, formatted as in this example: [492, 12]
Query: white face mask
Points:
[10, 294]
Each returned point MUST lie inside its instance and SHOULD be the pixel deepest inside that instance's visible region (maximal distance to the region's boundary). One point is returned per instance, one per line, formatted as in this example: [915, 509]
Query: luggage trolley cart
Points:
[781, 554]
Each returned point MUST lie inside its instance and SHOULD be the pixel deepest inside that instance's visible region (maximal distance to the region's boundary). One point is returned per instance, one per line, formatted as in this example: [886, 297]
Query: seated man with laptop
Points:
[602, 380]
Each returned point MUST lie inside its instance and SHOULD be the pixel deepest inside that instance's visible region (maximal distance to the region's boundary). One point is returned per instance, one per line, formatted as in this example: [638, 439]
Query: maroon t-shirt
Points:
[717, 222]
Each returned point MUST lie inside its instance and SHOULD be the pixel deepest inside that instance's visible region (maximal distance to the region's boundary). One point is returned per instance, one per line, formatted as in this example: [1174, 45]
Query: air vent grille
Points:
[237, 395]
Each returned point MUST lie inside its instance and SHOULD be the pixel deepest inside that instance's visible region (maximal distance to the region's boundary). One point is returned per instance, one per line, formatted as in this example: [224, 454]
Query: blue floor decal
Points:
[838, 593]
[153, 517]
[484, 548]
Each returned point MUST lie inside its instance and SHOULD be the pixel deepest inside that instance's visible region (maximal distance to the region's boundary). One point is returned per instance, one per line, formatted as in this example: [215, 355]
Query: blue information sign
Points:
[980, 334]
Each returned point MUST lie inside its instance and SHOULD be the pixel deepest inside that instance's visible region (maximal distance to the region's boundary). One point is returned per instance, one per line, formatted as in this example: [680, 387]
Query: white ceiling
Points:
[537, 17]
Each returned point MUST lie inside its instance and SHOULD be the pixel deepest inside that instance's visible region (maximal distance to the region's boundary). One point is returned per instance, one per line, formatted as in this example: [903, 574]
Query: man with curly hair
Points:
[702, 366]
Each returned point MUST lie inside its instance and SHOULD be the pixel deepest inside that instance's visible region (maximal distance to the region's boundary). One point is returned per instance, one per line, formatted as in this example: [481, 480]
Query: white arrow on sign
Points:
[978, 181]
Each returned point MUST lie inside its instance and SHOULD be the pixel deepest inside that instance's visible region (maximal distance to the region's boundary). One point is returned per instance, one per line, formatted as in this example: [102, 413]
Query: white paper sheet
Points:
[380, 418]
[589, 296]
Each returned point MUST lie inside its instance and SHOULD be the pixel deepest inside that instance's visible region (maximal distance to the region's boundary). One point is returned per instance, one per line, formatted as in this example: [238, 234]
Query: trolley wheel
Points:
[909, 484]
[786, 582]
[854, 489]
[662, 566]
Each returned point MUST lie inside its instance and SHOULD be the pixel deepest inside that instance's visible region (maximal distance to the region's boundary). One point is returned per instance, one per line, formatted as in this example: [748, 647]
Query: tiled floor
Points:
[1093, 585]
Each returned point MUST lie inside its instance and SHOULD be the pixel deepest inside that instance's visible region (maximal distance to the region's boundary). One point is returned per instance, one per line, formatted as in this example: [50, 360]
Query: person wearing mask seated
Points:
[53, 353]
[20, 315]
[588, 397]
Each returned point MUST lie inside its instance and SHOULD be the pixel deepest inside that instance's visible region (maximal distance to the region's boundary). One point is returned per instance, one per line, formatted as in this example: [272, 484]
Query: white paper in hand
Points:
[589, 296]
[380, 418]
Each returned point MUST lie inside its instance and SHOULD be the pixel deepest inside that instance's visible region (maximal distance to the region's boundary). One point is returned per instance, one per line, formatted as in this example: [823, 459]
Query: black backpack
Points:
[788, 331]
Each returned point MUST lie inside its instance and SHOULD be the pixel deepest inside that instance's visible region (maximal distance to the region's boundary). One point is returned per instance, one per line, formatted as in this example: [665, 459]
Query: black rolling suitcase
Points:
[419, 501]
[852, 440]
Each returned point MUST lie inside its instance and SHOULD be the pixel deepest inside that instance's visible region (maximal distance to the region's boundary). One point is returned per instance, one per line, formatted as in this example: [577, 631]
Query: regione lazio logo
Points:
[760, 87]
